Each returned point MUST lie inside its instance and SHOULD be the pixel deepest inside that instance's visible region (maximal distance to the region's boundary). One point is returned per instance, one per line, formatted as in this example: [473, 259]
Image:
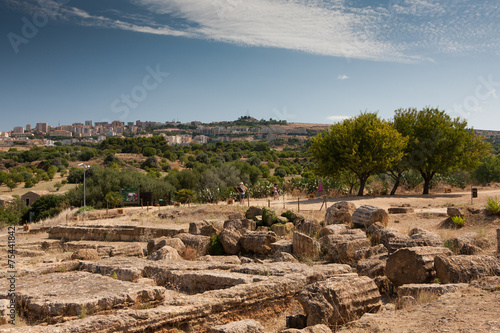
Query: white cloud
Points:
[342, 77]
[338, 118]
[400, 31]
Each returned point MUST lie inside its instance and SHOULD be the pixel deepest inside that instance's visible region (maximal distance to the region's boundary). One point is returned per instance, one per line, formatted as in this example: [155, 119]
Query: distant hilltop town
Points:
[176, 133]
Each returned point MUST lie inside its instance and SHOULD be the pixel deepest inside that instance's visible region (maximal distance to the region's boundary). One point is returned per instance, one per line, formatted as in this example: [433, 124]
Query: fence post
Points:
[298, 204]
[268, 203]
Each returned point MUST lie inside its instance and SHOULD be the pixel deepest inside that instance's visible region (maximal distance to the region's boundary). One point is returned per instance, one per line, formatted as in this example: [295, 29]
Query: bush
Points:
[215, 248]
[149, 151]
[151, 162]
[185, 196]
[493, 206]
[458, 221]
[85, 209]
[280, 172]
[46, 207]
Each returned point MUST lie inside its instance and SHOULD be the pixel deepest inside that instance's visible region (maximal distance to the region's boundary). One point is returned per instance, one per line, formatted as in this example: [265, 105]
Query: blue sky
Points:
[311, 61]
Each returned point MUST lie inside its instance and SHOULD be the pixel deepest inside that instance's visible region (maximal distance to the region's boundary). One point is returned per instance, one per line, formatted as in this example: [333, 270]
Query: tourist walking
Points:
[242, 188]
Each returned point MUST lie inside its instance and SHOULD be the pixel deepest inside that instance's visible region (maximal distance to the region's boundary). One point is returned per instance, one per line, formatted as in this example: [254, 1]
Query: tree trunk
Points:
[427, 180]
[395, 187]
[362, 183]
[397, 181]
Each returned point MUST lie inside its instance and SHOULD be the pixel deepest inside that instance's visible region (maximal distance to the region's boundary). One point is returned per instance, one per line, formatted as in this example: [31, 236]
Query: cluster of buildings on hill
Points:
[175, 133]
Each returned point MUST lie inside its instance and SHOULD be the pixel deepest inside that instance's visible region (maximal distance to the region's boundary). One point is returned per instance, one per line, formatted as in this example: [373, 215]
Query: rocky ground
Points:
[148, 270]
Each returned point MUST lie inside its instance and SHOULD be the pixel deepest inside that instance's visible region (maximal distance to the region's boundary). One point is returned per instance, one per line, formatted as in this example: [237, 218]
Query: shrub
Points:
[493, 206]
[149, 151]
[280, 172]
[85, 209]
[185, 196]
[458, 221]
[46, 207]
[215, 248]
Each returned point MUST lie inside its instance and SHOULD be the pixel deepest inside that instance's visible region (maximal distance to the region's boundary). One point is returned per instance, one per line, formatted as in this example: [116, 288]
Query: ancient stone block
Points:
[370, 252]
[157, 243]
[125, 268]
[320, 328]
[209, 230]
[305, 247]
[416, 290]
[230, 239]
[463, 269]
[69, 294]
[242, 326]
[258, 241]
[333, 229]
[282, 246]
[400, 210]
[366, 215]
[371, 267]
[85, 254]
[283, 257]
[340, 213]
[252, 212]
[339, 299]
[413, 265]
[310, 228]
[165, 252]
[195, 227]
[279, 229]
[198, 242]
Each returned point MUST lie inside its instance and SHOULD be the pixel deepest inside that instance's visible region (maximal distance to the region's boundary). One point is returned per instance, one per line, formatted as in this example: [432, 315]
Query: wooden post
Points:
[498, 240]
[283, 200]
[248, 199]
[298, 204]
[324, 203]
[268, 203]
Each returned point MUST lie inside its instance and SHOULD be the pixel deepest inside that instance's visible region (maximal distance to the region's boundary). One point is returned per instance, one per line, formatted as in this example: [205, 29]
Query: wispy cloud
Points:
[401, 31]
[342, 77]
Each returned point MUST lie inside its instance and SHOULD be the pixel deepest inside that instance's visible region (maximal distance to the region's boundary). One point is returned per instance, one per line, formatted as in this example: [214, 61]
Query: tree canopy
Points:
[437, 143]
[363, 145]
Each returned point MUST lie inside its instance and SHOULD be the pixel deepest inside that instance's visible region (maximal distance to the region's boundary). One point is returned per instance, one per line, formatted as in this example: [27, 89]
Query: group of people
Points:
[242, 189]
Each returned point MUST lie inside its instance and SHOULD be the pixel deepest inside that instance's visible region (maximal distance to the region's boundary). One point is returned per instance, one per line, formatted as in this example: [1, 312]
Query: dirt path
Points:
[419, 202]
[472, 310]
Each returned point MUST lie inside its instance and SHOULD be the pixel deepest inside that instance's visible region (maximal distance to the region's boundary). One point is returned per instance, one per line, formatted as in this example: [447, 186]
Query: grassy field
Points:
[43, 185]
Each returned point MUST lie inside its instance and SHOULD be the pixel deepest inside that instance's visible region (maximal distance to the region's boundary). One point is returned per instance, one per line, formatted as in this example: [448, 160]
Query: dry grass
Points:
[425, 297]
[41, 186]
[190, 253]
[422, 297]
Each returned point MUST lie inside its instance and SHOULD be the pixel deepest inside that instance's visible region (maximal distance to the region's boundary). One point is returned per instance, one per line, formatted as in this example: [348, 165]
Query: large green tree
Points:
[489, 170]
[437, 143]
[363, 145]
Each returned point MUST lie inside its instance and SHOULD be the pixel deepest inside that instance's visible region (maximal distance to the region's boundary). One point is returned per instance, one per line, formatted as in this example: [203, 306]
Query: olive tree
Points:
[364, 145]
[437, 143]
